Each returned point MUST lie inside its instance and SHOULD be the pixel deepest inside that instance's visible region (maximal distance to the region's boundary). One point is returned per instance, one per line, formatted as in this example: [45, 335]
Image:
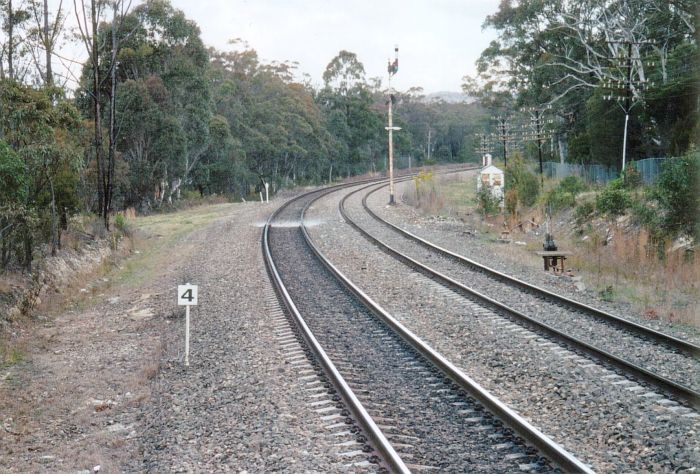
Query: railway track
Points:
[417, 410]
[665, 362]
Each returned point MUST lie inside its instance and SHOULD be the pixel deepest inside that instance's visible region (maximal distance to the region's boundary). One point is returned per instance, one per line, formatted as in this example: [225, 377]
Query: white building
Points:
[492, 177]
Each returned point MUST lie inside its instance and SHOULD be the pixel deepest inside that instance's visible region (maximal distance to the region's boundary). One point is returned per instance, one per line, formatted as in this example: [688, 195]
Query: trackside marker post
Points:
[187, 296]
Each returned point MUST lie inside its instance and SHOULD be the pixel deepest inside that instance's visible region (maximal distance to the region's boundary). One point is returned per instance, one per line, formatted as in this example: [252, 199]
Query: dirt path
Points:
[76, 402]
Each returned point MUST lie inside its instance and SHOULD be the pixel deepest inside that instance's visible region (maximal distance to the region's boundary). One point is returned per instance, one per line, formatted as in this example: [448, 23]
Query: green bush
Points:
[631, 177]
[618, 183]
[122, 225]
[646, 214]
[525, 183]
[613, 200]
[564, 195]
[13, 181]
[528, 189]
[558, 199]
[573, 185]
[583, 212]
[488, 204]
[677, 194]
[511, 202]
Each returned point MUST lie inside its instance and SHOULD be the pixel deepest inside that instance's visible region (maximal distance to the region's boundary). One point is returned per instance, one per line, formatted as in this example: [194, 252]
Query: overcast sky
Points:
[439, 40]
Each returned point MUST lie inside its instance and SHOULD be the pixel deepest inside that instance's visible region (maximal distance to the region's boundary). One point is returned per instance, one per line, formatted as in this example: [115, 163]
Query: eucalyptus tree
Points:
[13, 48]
[562, 53]
[354, 117]
[45, 35]
[276, 126]
[162, 59]
[40, 132]
[100, 71]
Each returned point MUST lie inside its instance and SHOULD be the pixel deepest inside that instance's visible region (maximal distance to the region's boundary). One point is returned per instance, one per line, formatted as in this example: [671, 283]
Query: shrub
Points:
[583, 212]
[617, 183]
[511, 201]
[13, 181]
[122, 225]
[525, 184]
[558, 199]
[528, 189]
[676, 191]
[631, 177]
[573, 185]
[488, 204]
[613, 200]
[646, 213]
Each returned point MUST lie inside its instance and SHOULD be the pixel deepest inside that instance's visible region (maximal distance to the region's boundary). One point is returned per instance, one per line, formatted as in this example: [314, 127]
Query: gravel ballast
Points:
[460, 238]
[244, 402]
[679, 367]
[610, 422]
[434, 424]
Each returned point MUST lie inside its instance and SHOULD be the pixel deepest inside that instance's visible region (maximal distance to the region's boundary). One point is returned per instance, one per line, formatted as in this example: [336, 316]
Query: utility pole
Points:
[628, 100]
[503, 135]
[484, 146]
[392, 69]
[538, 133]
[429, 143]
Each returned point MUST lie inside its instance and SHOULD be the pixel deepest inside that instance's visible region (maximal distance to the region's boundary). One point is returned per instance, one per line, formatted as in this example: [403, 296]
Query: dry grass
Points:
[155, 235]
[627, 267]
[620, 264]
[438, 195]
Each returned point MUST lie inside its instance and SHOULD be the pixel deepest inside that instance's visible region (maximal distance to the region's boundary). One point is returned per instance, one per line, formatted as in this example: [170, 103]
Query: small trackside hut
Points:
[491, 177]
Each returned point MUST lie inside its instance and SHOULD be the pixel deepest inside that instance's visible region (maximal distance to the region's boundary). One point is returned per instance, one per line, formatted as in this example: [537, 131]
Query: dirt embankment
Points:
[81, 346]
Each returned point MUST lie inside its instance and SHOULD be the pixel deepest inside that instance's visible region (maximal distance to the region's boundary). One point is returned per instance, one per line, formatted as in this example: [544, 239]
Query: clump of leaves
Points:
[573, 185]
[564, 195]
[488, 203]
[614, 199]
[122, 225]
[558, 199]
[631, 177]
[511, 202]
[584, 212]
[676, 193]
[520, 179]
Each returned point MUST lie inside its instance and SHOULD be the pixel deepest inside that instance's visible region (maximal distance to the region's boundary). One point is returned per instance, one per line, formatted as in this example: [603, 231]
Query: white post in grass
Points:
[187, 296]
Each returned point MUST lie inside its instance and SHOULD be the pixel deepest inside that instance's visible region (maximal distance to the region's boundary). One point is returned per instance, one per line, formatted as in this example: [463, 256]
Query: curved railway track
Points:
[463, 275]
[418, 411]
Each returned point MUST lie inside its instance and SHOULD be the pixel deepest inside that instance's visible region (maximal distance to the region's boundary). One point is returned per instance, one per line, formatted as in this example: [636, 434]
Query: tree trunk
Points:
[55, 238]
[28, 247]
[563, 147]
[48, 45]
[10, 40]
[98, 115]
[112, 114]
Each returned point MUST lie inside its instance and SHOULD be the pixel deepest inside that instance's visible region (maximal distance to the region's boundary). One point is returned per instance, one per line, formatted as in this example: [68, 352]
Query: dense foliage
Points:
[678, 199]
[156, 112]
[588, 62]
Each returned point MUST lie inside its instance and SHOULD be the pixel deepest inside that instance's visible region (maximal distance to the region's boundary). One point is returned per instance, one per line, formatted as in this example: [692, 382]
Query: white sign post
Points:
[187, 296]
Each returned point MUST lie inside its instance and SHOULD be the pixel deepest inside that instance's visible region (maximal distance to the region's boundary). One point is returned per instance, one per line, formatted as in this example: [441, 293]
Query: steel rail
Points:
[669, 386]
[374, 434]
[553, 451]
[671, 341]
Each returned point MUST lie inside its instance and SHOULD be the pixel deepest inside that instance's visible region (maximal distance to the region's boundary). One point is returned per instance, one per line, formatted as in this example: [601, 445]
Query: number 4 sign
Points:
[187, 295]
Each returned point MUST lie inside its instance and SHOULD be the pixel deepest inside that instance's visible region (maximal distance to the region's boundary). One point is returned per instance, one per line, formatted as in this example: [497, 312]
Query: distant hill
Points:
[449, 97]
